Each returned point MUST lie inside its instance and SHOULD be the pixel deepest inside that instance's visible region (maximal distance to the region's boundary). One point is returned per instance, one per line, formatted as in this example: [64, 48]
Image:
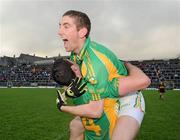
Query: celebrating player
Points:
[106, 80]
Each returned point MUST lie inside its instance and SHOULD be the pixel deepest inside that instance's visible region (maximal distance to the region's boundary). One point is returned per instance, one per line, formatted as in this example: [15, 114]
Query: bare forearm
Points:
[134, 70]
[138, 75]
[77, 110]
[91, 110]
[136, 80]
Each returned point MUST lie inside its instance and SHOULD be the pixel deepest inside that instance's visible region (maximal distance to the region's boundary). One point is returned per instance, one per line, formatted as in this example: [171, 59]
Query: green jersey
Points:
[102, 69]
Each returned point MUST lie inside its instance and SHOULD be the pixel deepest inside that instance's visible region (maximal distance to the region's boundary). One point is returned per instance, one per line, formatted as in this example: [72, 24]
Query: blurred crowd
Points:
[27, 75]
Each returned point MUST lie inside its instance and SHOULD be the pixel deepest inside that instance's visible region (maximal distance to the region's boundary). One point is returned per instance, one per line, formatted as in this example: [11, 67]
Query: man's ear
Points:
[82, 32]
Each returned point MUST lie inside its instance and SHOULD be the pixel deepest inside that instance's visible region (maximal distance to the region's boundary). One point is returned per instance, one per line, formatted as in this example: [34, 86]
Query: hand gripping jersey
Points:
[102, 69]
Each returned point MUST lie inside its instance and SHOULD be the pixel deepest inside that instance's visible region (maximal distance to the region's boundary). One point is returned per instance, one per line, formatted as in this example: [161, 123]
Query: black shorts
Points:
[161, 90]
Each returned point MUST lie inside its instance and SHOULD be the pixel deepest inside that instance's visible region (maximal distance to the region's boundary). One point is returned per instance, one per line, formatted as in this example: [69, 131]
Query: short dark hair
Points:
[82, 20]
[62, 72]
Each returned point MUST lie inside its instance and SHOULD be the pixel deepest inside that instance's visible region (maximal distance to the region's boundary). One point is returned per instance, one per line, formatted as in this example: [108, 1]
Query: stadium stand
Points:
[30, 70]
[26, 71]
[162, 70]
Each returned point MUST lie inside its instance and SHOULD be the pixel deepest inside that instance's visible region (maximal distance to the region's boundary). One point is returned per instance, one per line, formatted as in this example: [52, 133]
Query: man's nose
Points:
[60, 32]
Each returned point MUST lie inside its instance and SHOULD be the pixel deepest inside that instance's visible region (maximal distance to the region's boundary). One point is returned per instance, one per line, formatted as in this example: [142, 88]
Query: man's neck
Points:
[80, 46]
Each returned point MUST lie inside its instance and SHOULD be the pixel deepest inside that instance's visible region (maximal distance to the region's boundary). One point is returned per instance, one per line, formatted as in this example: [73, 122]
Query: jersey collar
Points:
[82, 52]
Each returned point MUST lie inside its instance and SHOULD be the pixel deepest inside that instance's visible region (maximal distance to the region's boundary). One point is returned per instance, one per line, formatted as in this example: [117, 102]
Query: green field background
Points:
[31, 114]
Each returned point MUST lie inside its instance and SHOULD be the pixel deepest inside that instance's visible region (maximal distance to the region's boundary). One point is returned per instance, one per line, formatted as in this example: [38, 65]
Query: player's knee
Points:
[72, 125]
[76, 127]
[76, 130]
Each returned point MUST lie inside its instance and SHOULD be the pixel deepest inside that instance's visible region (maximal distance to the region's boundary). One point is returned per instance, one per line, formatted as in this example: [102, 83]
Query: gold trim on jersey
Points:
[112, 70]
[84, 69]
[90, 125]
[110, 108]
[91, 75]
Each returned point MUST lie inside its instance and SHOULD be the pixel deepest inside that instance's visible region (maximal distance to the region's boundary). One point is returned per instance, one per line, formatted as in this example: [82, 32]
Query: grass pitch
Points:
[32, 114]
